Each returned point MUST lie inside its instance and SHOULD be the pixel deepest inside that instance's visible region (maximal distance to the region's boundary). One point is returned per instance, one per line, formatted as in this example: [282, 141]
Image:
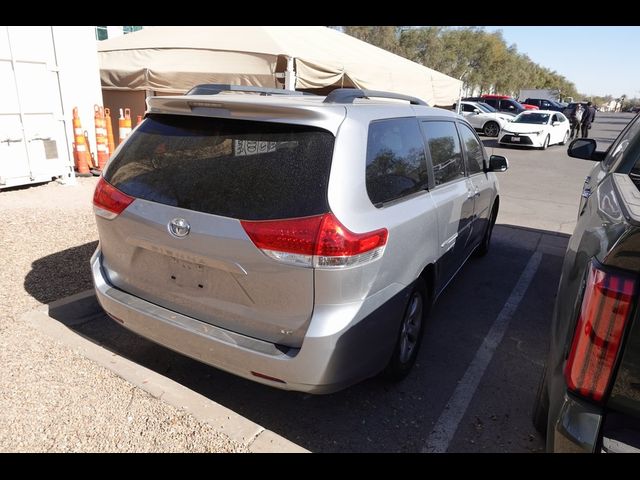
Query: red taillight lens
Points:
[321, 240]
[296, 235]
[335, 240]
[108, 201]
[606, 307]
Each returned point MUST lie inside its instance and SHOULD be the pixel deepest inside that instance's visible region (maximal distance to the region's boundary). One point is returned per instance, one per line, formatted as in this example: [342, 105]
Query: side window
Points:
[617, 149]
[472, 149]
[396, 162]
[554, 119]
[493, 102]
[507, 105]
[467, 108]
[444, 145]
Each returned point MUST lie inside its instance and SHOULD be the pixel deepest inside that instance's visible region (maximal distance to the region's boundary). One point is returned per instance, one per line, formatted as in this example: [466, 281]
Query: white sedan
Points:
[484, 118]
[536, 128]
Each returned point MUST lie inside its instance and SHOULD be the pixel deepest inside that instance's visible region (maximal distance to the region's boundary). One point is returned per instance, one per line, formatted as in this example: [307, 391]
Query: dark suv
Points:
[589, 395]
[508, 105]
[544, 104]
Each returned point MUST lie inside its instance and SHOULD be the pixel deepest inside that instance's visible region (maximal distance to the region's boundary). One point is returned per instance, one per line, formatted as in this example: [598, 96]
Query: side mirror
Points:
[476, 111]
[498, 163]
[556, 123]
[582, 148]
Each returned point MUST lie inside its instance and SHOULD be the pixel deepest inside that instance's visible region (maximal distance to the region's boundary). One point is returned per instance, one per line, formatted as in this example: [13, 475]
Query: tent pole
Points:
[290, 76]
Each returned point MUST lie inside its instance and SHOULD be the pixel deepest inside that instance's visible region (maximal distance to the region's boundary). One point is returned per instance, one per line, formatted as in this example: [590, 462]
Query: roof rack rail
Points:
[348, 95]
[215, 88]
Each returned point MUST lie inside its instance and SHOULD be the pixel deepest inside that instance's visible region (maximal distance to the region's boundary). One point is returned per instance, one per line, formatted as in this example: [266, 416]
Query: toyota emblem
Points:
[179, 227]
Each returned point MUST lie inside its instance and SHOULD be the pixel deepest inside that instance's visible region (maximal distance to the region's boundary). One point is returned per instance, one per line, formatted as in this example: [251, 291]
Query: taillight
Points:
[108, 201]
[606, 307]
[319, 241]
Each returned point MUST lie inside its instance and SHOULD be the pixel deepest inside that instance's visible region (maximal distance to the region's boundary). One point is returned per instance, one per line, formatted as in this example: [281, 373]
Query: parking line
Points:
[447, 424]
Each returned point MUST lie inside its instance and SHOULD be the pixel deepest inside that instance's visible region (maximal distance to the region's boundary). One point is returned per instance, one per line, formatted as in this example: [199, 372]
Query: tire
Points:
[566, 138]
[483, 248]
[409, 337]
[491, 129]
[540, 413]
[545, 144]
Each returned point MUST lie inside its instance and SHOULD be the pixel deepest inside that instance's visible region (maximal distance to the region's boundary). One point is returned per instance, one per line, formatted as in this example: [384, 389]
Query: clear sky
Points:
[598, 60]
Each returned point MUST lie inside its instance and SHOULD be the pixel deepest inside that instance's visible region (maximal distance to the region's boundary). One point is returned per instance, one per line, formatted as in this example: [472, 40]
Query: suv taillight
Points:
[606, 307]
[108, 201]
[318, 241]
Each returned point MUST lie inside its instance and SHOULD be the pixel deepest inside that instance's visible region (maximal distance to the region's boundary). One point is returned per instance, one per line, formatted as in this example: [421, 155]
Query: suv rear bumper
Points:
[324, 364]
[577, 427]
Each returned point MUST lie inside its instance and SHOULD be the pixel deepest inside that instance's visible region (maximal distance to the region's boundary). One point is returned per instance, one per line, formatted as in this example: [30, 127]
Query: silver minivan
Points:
[294, 240]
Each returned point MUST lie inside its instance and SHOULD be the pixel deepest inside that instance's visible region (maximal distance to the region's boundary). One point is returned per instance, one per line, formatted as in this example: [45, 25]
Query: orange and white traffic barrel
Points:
[80, 147]
[124, 124]
[102, 144]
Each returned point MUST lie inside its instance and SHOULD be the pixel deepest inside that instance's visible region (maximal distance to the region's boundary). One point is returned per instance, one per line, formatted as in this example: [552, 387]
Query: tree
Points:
[482, 60]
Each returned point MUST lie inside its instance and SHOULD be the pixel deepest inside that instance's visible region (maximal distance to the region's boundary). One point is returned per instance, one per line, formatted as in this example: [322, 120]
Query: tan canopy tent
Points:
[174, 59]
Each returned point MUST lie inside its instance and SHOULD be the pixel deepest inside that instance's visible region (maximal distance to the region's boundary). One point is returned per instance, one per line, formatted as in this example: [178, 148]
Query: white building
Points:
[45, 72]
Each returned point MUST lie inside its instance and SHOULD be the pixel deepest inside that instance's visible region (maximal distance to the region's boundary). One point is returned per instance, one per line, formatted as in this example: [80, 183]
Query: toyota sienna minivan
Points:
[294, 240]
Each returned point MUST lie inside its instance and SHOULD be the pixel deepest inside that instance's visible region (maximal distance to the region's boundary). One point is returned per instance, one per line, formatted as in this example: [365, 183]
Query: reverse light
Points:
[320, 241]
[605, 311]
[108, 201]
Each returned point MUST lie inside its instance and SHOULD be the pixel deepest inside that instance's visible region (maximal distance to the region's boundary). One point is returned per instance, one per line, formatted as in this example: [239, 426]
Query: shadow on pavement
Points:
[61, 274]
[375, 416]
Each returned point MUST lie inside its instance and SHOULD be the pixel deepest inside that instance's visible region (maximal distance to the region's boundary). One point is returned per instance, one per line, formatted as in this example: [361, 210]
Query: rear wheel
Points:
[491, 129]
[410, 335]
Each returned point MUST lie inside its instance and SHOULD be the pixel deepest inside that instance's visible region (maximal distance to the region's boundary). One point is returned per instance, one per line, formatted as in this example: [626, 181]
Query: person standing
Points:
[576, 120]
[588, 118]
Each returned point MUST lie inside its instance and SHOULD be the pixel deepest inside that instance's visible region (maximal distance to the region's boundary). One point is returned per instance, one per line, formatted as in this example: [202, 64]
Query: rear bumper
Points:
[577, 427]
[324, 364]
[583, 428]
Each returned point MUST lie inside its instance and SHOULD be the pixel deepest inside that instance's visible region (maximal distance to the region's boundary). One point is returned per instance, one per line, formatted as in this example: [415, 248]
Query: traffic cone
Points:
[80, 147]
[110, 140]
[124, 124]
[102, 144]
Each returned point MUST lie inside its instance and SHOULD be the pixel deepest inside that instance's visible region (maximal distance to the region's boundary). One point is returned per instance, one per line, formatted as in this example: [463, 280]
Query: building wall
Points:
[44, 72]
[79, 77]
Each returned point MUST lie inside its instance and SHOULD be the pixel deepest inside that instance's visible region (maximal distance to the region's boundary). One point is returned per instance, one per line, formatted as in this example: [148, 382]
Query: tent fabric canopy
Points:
[174, 59]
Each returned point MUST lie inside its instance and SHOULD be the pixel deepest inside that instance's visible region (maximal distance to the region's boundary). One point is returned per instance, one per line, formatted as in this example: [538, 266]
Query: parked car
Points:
[539, 128]
[589, 394]
[544, 104]
[297, 241]
[501, 105]
[484, 118]
[507, 97]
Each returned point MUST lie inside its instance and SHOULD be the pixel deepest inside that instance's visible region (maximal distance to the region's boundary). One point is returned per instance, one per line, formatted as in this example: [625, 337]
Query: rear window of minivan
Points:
[234, 168]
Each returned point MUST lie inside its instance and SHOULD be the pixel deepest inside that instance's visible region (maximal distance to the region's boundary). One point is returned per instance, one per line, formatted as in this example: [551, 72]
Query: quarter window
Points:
[444, 146]
[396, 162]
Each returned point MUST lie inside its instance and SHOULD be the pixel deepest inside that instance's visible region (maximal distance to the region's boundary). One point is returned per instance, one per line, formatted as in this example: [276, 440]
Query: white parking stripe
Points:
[447, 424]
